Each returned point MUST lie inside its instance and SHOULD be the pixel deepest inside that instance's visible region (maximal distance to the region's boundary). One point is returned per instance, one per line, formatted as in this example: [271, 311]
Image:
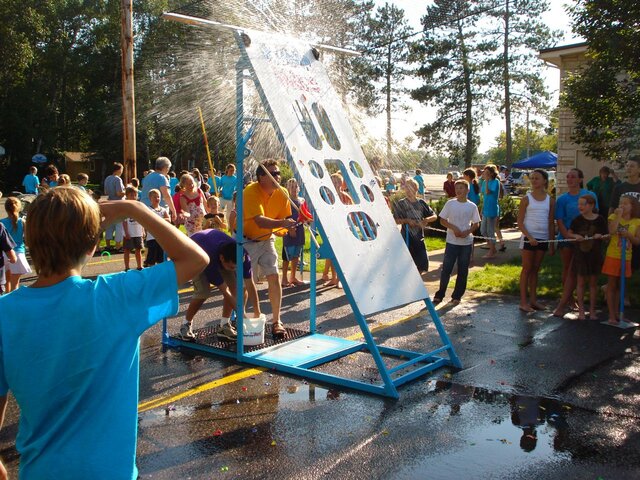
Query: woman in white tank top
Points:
[535, 221]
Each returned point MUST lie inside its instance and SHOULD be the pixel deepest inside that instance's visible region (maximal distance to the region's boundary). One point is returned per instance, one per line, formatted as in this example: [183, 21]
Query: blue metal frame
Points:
[340, 348]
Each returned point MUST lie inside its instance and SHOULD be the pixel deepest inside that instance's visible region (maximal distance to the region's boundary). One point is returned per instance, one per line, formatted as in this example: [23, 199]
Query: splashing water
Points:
[195, 67]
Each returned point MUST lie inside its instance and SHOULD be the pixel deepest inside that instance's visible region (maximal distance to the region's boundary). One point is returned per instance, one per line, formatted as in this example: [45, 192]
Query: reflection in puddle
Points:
[492, 432]
[157, 416]
[307, 392]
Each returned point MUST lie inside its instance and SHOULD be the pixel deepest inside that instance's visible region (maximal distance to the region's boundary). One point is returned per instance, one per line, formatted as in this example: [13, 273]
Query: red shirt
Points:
[450, 188]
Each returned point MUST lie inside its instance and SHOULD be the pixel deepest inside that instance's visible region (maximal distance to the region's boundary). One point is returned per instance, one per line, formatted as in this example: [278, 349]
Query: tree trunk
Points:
[128, 98]
[388, 74]
[469, 148]
[507, 94]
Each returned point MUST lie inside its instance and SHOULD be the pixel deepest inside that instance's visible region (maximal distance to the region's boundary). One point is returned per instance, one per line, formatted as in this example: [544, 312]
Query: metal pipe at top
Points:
[189, 20]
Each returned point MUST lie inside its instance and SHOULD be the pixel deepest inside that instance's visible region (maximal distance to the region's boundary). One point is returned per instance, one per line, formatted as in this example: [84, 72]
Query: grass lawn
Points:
[435, 243]
[505, 279]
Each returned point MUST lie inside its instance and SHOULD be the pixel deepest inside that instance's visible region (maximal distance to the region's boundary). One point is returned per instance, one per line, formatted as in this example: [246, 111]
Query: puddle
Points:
[492, 432]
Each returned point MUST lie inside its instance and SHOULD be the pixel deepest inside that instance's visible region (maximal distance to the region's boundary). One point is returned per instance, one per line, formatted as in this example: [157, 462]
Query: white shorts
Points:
[20, 267]
[263, 254]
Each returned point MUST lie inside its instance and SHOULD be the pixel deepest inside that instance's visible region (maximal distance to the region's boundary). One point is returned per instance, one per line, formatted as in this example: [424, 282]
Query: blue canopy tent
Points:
[544, 159]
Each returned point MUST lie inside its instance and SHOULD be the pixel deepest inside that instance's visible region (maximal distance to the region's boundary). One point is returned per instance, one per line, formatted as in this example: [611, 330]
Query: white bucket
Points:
[253, 330]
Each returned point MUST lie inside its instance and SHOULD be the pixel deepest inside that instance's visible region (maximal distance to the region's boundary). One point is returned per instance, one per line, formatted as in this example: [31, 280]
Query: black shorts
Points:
[133, 243]
[635, 258]
[540, 247]
[155, 254]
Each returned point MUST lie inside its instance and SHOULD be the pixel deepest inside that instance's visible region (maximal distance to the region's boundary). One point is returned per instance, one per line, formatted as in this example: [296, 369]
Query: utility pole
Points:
[128, 97]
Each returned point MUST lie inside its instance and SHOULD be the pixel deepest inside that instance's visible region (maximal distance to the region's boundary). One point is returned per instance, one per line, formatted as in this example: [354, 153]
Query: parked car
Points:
[515, 181]
[456, 174]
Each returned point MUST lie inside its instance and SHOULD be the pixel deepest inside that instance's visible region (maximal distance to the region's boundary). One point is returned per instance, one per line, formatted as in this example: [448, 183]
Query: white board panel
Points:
[309, 115]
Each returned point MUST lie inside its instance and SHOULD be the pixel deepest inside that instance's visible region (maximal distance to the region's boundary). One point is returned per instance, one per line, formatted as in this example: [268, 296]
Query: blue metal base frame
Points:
[301, 355]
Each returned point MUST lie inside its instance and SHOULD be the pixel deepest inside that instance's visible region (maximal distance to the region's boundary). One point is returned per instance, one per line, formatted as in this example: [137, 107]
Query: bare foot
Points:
[333, 282]
[489, 255]
[536, 306]
[558, 312]
[324, 279]
[297, 282]
[614, 322]
[526, 308]
[581, 316]
[285, 284]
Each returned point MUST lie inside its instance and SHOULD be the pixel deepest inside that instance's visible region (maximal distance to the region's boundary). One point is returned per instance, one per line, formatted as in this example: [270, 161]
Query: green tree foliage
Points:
[604, 95]
[451, 55]
[539, 140]
[515, 66]
[382, 66]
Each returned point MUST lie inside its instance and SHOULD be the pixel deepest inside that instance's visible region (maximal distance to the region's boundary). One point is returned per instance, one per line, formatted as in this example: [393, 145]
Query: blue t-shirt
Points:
[154, 180]
[17, 234]
[420, 180]
[214, 188]
[227, 185]
[30, 183]
[173, 181]
[490, 199]
[113, 186]
[70, 355]
[211, 241]
[567, 207]
[472, 195]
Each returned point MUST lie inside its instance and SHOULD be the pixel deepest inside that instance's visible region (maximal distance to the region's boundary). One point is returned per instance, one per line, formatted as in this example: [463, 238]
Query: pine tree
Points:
[516, 67]
[451, 56]
[382, 67]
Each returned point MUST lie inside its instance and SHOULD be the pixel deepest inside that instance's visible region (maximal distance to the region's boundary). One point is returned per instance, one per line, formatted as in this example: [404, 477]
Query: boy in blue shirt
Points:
[70, 346]
[31, 182]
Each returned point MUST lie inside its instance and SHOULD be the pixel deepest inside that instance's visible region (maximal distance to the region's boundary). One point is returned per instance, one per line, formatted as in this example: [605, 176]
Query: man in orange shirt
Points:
[266, 212]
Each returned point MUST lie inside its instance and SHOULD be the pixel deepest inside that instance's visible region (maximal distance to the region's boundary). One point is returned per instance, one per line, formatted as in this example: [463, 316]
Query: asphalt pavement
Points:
[537, 397]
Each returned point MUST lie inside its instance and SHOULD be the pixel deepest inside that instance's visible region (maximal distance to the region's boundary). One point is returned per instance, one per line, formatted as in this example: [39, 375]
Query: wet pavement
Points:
[538, 397]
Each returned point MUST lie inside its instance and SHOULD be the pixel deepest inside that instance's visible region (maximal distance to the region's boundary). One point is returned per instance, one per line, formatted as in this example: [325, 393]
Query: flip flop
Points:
[278, 331]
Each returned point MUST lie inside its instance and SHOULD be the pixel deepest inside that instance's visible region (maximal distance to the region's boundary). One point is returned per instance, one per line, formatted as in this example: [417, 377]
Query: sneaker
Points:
[186, 333]
[227, 332]
[436, 301]
[455, 301]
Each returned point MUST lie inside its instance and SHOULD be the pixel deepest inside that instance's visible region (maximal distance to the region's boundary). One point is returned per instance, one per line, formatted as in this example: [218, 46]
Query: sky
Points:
[405, 123]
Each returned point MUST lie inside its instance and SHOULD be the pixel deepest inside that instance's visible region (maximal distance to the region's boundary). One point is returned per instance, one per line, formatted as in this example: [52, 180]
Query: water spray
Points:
[212, 172]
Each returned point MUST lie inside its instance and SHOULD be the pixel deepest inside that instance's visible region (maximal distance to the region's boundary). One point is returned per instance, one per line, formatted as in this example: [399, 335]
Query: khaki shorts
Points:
[202, 289]
[263, 254]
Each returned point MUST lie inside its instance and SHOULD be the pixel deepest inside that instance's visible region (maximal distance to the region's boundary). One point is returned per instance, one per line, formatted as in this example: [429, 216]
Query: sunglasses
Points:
[274, 173]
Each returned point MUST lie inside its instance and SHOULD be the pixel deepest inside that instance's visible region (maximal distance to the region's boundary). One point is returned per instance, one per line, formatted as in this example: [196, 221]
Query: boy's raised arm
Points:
[189, 259]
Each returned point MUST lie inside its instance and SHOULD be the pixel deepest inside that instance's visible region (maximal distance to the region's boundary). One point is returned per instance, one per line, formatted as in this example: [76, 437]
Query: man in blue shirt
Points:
[159, 180]
[31, 181]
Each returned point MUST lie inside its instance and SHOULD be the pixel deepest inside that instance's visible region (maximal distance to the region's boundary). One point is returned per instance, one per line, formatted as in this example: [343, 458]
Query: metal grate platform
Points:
[207, 336]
